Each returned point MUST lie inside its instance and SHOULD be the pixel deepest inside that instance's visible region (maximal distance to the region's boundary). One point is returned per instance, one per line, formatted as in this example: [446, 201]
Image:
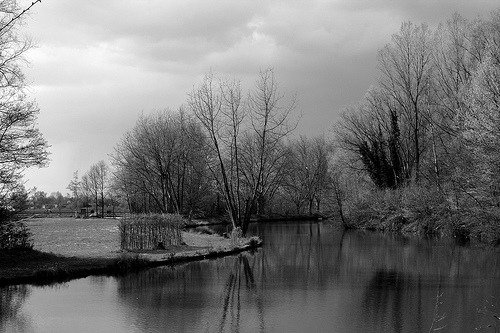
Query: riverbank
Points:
[423, 210]
[258, 218]
[467, 225]
[66, 249]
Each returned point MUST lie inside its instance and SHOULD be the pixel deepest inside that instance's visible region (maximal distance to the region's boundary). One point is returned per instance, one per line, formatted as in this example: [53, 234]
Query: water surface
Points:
[308, 277]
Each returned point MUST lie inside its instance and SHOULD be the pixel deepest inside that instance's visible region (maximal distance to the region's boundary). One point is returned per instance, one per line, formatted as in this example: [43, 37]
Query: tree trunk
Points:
[102, 204]
[244, 226]
[96, 204]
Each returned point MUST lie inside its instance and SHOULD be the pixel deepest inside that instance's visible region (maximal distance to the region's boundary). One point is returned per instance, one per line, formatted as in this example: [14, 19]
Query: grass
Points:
[68, 248]
[76, 237]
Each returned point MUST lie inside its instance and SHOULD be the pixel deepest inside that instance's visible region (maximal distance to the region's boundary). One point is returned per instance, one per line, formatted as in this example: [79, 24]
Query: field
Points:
[76, 237]
[69, 248]
[99, 238]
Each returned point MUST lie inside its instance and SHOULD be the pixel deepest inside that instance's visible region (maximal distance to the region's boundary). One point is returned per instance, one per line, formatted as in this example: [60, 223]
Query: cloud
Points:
[100, 64]
[150, 32]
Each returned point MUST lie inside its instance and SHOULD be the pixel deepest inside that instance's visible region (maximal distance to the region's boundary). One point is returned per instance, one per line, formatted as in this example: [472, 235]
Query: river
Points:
[308, 277]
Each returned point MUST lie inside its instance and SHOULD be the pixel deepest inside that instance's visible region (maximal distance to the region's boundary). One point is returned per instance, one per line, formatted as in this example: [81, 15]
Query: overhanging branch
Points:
[19, 15]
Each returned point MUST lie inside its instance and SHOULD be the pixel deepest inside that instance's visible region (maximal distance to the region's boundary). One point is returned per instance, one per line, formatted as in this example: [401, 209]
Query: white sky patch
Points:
[64, 155]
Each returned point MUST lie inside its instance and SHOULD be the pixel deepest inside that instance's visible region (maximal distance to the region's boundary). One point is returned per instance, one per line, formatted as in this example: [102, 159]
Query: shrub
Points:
[150, 231]
[396, 209]
[127, 263]
[15, 235]
[424, 201]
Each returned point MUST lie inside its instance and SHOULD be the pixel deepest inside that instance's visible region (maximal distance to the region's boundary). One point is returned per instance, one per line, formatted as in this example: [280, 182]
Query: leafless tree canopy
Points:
[432, 120]
[245, 139]
[160, 164]
[21, 143]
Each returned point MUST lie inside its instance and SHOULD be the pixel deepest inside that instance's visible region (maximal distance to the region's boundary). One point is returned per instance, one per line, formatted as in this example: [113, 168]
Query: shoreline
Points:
[465, 227]
[43, 268]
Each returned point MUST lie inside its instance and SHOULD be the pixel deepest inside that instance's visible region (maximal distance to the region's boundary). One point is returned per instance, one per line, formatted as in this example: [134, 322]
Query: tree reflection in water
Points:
[231, 311]
[12, 299]
[308, 277]
[384, 298]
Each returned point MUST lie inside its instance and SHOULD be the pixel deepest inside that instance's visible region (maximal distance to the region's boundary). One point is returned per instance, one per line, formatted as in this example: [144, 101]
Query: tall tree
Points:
[245, 140]
[407, 65]
[74, 187]
[21, 143]
[480, 124]
[217, 104]
[270, 125]
[161, 159]
[95, 181]
[305, 177]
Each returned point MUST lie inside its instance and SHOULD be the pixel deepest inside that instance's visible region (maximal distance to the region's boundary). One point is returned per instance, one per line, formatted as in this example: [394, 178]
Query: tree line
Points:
[222, 153]
[431, 123]
[423, 142]
[427, 129]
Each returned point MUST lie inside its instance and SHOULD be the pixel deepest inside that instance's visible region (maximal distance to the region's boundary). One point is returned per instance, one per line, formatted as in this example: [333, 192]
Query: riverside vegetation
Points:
[419, 153]
[425, 211]
[61, 249]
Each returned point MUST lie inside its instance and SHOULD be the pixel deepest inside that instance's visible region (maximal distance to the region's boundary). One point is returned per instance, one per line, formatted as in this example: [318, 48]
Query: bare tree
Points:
[306, 173]
[246, 151]
[161, 160]
[480, 122]
[74, 187]
[473, 62]
[95, 181]
[88, 190]
[407, 72]
[454, 57]
[270, 126]
[216, 103]
[21, 143]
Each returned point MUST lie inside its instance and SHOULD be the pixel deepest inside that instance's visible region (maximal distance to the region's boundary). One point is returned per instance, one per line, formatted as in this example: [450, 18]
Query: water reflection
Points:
[12, 319]
[384, 298]
[241, 280]
[166, 297]
[307, 277]
[345, 281]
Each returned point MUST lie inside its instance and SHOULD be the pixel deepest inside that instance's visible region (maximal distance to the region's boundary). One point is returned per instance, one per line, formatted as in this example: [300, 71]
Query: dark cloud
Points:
[100, 63]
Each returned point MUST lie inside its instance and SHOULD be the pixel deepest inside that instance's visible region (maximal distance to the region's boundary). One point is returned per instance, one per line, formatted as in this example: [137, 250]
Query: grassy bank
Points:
[66, 249]
[40, 268]
[424, 211]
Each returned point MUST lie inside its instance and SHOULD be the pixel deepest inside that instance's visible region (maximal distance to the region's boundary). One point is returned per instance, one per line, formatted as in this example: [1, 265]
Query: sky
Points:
[99, 65]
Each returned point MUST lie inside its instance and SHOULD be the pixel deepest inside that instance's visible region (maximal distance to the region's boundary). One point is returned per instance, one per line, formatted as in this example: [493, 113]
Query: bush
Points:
[15, 235]
[416, 208]
[479, 223]
[150, 232]
[424, 201]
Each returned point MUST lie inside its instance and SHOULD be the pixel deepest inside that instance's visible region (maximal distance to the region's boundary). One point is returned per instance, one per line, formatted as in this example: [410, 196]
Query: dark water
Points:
[306, 278]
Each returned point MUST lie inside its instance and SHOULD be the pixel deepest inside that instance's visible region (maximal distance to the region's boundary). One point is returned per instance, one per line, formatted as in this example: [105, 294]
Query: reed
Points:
[150, 231]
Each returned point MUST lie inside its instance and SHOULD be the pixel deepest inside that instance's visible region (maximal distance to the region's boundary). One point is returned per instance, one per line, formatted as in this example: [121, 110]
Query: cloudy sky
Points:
[100, 64]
